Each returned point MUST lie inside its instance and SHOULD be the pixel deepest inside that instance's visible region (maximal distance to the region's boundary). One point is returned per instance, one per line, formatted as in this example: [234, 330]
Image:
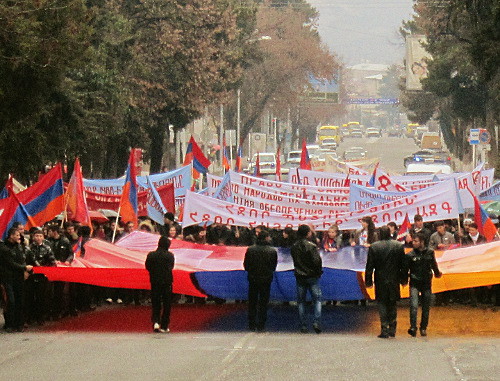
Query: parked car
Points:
[293, 159]
[267, 163]
[373, 132]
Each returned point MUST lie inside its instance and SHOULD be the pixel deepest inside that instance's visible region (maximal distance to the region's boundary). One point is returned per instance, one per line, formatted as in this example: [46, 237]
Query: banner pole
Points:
[459, 231]
[116, 224]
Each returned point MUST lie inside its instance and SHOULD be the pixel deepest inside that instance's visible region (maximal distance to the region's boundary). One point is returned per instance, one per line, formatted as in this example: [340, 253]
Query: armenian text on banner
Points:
[243, 184]
[181, 178]
[364, 197]
[274, 200]
[492, 193]
[431, 205]
[97, 201]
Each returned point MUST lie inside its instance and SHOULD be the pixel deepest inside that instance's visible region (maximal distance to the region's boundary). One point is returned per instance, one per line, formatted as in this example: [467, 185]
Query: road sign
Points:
[474, 136]
[484, 136]
[372, 101]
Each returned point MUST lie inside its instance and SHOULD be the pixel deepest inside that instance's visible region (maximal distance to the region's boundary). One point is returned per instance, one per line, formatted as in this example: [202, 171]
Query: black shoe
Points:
[252, 327]
[303, 329]
[383, 335]
[316, 328]
[412, 332]
[392, 334]
[261, 328]
[423, 332]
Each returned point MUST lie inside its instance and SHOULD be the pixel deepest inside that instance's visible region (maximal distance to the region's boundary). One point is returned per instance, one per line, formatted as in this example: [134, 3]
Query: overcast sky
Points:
[363, 30]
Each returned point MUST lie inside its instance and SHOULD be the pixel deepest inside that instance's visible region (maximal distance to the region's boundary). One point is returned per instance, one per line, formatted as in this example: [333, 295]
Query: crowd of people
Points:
[29, 298]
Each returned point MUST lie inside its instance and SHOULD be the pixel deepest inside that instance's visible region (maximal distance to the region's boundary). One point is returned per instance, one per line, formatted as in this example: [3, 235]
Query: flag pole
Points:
[459, 231]
[116, 224]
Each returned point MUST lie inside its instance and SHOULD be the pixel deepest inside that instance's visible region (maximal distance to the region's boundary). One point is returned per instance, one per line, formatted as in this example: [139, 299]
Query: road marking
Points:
[217, 372]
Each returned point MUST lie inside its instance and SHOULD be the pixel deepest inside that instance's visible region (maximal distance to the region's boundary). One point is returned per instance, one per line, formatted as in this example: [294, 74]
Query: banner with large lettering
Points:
[363, 197]
[431, 205]
[244, 185]
[181, 178]
[96, 201]
[326, 179]
[483, 179]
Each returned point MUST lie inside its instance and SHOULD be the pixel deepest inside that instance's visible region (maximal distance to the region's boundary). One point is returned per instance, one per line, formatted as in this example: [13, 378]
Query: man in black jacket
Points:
[37, 285]
[308, 269]
[418, 227]
[12, 272]
[160, 264]
[260, 262]
[473, 236]
[420, 263]
[386, 257]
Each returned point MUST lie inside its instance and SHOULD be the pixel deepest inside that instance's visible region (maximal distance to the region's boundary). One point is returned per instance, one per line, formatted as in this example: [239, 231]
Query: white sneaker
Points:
[166, 330]
[119, 301]
[109, 300]
[156, 327]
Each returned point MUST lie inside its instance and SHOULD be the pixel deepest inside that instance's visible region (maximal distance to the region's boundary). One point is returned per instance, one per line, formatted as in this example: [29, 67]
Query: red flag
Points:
[404, 229]
[256, 169]
[76, 203]
[347, 181]
[225, 158]
[485, 225]
[305, 162]
[128, 200]
[278, 165]
[239, 158]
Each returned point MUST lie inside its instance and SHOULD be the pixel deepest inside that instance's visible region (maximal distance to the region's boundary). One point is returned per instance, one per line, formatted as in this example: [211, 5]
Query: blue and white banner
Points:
[155, 206]
[181, 178]
[492, 193]
[223, 191]
[361, 197]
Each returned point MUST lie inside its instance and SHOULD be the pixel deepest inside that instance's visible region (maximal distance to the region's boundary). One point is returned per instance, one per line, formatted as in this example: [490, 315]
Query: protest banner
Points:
[96, 201]
[181, 178]
[430, 205]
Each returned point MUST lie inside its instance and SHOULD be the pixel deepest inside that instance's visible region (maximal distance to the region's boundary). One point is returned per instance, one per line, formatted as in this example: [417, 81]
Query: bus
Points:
[329, 132]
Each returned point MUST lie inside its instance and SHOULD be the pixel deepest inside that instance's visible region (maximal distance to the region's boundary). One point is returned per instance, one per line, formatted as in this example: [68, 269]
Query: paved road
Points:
[463, 344]
[390, 150]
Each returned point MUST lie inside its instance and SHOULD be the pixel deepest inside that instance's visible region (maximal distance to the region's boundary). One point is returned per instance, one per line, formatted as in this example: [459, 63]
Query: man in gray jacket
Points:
[441, 239]
[308, 269]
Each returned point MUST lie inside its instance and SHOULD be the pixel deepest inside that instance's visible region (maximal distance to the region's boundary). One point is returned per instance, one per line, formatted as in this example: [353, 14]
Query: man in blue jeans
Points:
[308, 269]
[420, 264]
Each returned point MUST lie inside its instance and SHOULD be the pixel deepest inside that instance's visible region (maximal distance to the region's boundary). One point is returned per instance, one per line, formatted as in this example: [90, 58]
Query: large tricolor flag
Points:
[225, 158]
[485, 226]
[239, 160]
[305, 162]
[195, 156]
[35, 205]
[128, 201]
[76, 202]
